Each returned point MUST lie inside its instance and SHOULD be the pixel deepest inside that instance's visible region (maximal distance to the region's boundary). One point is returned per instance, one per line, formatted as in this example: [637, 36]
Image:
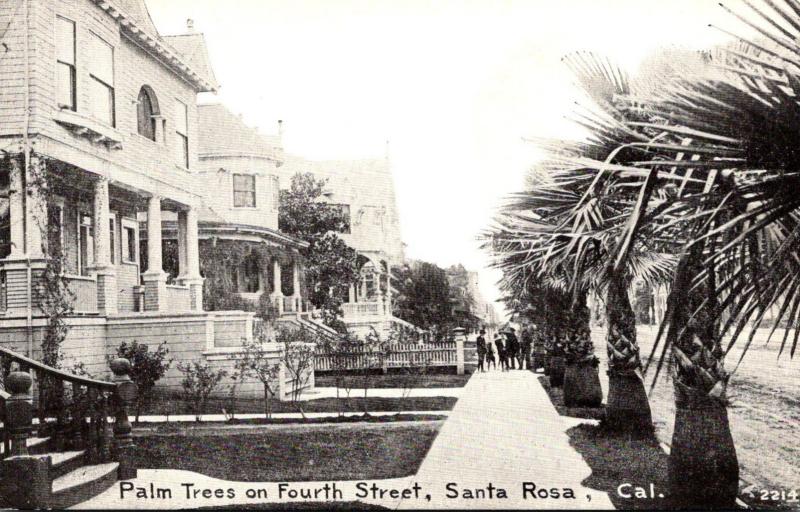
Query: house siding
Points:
[133, 68]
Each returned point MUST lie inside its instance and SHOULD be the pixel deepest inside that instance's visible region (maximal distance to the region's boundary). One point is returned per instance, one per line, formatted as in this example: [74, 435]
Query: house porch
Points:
[83, 228]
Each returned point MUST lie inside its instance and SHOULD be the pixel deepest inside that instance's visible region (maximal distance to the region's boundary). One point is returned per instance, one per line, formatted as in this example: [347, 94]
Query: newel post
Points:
[19, 411]
[124, 395]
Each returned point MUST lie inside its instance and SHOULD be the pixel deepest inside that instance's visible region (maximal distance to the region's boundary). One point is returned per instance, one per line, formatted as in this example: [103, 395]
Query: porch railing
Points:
[3, 291]
[84, 291]
[72, 411]
[352, 309]
[394, 356]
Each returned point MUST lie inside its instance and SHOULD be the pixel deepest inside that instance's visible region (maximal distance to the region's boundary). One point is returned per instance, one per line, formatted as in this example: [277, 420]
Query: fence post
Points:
[124, 396]
[460, 355]
[19, 411]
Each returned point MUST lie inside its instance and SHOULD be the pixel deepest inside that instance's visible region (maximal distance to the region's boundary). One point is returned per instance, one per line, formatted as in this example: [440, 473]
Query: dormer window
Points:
[146, 112]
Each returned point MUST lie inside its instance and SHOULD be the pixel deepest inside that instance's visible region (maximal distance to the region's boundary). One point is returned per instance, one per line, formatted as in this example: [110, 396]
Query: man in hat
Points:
[525, 344]
[480, 345]
[501, 352]
[512, 347]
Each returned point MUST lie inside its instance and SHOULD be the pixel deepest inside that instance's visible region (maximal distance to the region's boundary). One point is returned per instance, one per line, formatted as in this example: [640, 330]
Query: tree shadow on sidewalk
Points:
[623, 466]
[616, 458]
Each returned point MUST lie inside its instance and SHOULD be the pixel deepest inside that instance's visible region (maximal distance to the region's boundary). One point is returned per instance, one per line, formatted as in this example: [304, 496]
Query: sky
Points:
[453, 86]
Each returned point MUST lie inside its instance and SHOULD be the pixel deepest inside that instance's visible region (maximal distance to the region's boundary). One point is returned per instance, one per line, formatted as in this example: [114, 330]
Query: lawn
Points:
[307, 453]
[172, 405]
[395, 380]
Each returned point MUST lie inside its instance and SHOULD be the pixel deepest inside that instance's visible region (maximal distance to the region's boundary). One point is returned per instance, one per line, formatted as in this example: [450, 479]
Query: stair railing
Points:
[72, 410]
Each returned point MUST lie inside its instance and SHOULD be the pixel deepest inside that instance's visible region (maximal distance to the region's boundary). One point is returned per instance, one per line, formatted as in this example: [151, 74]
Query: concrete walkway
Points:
[330, 392]
[504, 431]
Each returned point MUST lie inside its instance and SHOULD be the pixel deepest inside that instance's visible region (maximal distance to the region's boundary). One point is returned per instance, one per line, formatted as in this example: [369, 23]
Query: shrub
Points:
[147, 367]
[199, 381]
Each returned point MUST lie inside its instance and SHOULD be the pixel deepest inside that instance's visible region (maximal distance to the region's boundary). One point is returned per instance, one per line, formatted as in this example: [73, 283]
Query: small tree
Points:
[147, 367]
[297, 357]
[232, 403]
[342, 353]
[375, 351]
[256, 361]
[199, 381]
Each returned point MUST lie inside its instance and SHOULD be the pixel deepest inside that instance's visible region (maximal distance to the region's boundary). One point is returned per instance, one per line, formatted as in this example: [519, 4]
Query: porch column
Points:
[28, 219]
[277, 293]
[155, 279]
[16, 199]
[105, 272]
[188, 247]
[35, 208]
[351, 293]
[296, 285]
[388, 289]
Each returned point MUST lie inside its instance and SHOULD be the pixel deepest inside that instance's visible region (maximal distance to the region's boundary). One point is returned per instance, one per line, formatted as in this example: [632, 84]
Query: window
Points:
[181, 134]
[101, 80]
[244, 191]
[85, 243]
[112, 238]
[65, 64]
[276, 193]
[250, 276]
[129, 242]
[146, 110]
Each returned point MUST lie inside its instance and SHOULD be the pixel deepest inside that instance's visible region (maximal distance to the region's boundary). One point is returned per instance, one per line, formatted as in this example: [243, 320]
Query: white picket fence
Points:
[397, 355]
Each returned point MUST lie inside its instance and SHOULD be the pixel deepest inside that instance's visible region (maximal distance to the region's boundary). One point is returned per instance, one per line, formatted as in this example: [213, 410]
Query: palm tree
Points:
[573, 218]
[649, 184]
[742, 258]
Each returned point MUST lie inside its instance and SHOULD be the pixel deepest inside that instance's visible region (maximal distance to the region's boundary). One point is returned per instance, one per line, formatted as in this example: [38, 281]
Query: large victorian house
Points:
[100, 139]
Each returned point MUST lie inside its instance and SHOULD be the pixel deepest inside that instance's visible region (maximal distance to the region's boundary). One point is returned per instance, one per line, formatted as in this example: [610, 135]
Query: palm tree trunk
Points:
[703, 467]
[627, 408]
[581, 379]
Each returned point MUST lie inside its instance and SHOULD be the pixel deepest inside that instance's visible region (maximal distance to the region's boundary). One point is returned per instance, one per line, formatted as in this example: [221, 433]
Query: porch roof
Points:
[209, 229]
[270, 234]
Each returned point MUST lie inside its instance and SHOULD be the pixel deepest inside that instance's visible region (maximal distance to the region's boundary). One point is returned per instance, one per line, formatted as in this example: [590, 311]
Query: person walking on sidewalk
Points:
[480, 345]
[490, 360]
[512, 347]
[501, 352]
[526, 341]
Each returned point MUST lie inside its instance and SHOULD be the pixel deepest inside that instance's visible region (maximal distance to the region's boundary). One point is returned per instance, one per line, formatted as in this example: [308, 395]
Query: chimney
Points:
[190, 25]
[280, 128]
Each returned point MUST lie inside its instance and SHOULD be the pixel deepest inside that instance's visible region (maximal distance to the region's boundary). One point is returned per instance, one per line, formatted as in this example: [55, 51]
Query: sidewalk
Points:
[505, 431]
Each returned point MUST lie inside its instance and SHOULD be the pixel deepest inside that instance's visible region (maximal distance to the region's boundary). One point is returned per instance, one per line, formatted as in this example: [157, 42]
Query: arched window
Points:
[146, 110]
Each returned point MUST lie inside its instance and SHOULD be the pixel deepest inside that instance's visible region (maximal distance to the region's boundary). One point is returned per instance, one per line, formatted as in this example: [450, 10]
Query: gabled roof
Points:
[223, 133]
[193, 48]
[135, 22]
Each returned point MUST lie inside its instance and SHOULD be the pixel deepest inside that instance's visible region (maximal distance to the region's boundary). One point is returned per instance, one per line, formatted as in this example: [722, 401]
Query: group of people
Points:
[505, 349]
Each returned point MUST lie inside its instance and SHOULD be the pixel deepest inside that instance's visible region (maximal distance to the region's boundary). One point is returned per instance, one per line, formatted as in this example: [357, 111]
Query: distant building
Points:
[469, 304]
